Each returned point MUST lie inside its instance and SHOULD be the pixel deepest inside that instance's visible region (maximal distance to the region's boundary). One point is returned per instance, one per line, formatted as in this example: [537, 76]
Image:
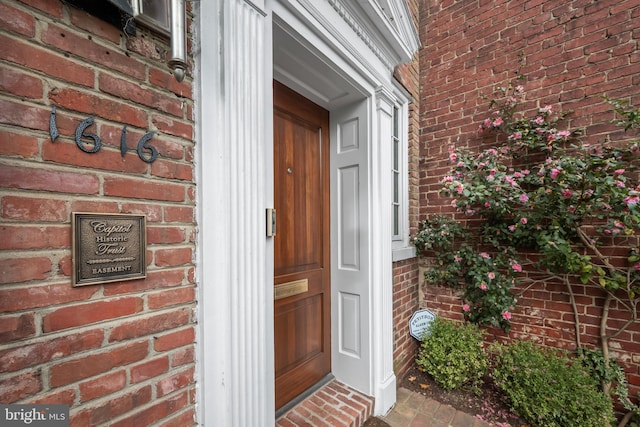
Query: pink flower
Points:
[566, 193]
[487, 204]
[538, 120]
[554, 173]
[453, 203]
[524, 198]
[512, 228]
[619, 171]
[460, 189]
[452, 155]
[466, 308]
[483, 286]
[491, 275]
[564, 134]
[516, 267]
[523, 220]
[497, 122]
[631, 201]
[448, 178]
[620, 184]
[546, 109]
[637, 266]
[506, 315]
[457, 258]
[485, 255]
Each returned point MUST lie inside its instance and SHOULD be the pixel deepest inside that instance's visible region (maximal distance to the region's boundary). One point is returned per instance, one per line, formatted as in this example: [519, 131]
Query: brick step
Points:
[332, 405]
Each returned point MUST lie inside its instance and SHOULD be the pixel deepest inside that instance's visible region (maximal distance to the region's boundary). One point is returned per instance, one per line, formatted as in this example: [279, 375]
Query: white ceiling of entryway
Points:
[304, 69]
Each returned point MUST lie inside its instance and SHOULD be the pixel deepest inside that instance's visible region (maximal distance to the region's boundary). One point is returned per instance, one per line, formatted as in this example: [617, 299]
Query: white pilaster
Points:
[384, 380]
[235, 379]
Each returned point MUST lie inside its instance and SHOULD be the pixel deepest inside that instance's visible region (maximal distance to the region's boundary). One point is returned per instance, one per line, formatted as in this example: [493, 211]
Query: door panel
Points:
[302, 244]
[351, 282]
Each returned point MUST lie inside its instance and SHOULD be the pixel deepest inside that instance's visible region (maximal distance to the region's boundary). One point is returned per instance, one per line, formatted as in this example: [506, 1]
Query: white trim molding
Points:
[381, 248]
[355, 41]
[235, 312]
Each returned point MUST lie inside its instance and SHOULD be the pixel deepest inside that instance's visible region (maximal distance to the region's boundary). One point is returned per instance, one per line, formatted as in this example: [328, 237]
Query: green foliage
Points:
[601, 369]
[486, 279]
[542, 190]
[453, 354]
[604, 370]
[548, 389]
[538, 190]
[630, 117]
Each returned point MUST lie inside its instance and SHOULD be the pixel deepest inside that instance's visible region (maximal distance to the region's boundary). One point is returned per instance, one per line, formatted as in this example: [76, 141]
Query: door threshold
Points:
[328, 402]
[304, 395]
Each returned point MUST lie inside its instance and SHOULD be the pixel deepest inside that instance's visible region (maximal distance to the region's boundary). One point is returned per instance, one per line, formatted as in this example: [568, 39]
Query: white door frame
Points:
[234, 170]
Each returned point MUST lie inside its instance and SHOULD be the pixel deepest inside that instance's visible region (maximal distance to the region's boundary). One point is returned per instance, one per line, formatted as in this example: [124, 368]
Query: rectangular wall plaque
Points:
[108, 248]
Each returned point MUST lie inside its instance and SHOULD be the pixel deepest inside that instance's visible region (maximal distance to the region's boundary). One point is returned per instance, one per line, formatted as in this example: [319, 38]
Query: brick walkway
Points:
[336, 405]
[414, 410]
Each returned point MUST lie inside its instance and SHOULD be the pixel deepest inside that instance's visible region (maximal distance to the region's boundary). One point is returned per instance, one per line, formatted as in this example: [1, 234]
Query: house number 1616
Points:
[143, 143]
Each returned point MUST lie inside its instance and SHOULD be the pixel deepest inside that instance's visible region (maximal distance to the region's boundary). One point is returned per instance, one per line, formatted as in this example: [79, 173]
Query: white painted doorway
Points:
[340, 54]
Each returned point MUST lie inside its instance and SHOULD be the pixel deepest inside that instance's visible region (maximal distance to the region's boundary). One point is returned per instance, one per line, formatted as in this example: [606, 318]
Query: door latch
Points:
[271, 222]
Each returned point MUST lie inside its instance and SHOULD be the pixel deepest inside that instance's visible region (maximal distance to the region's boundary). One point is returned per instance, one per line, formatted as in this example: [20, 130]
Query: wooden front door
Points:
[302, 244]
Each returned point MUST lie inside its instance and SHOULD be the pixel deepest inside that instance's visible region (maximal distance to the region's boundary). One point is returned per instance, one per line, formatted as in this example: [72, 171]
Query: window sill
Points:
[400, 254]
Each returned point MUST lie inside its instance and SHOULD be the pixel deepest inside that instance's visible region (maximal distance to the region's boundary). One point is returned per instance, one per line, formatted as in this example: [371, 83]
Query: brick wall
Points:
[574, 52]
[120, 352]
[405, 273]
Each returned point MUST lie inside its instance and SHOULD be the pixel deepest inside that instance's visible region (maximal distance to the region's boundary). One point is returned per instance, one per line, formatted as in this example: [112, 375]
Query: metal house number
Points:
[81, 132]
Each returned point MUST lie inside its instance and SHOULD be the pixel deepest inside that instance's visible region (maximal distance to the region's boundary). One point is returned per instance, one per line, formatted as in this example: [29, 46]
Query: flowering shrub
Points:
[486, 280]
[542, 191]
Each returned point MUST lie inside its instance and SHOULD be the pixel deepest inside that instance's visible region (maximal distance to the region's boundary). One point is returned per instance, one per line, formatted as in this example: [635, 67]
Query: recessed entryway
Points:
[302, 271]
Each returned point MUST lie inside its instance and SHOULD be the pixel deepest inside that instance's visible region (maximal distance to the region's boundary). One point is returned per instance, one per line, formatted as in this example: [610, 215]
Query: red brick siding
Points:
[405, 274]
[405, 303]
[574, 52]
[122, 352]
